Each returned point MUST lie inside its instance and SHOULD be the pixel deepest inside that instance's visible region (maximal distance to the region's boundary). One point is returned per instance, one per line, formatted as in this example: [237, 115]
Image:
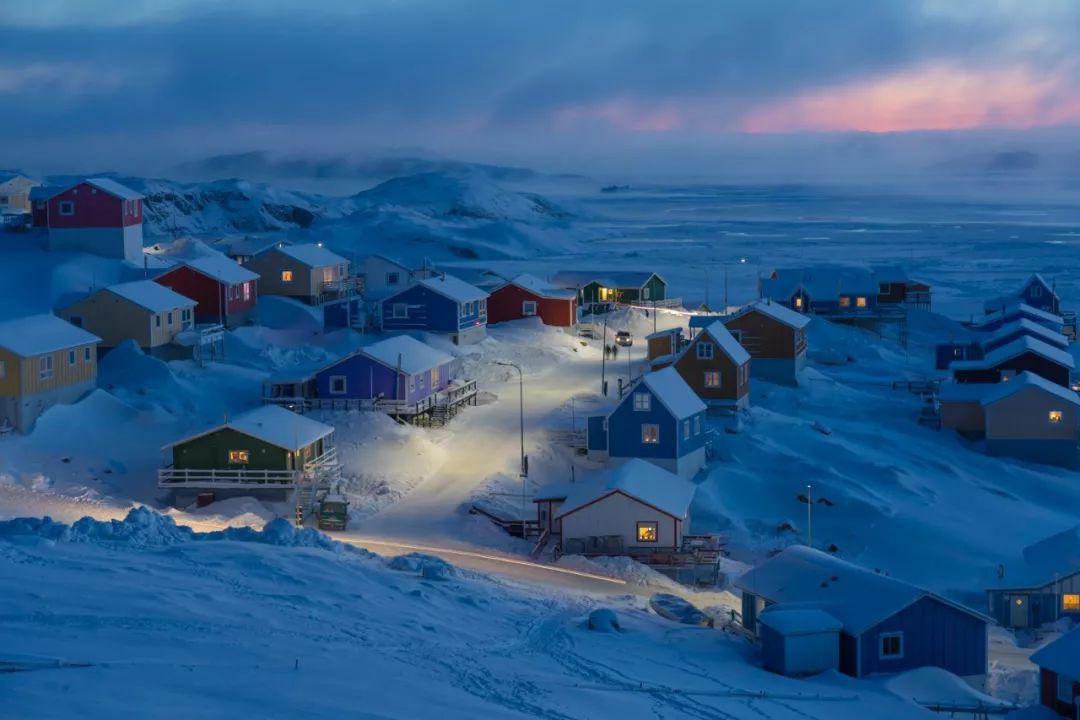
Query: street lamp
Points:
[521, 418]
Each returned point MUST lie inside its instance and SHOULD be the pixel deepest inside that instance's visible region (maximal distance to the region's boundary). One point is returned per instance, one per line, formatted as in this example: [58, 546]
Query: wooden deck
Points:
[435, 409]
[321, 470]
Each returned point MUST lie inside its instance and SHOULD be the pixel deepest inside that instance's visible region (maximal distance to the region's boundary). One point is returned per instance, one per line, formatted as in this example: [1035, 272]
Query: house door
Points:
[1018, 611]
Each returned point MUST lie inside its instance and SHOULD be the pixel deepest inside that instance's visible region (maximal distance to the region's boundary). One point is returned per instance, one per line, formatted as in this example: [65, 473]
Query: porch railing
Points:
[322, 468]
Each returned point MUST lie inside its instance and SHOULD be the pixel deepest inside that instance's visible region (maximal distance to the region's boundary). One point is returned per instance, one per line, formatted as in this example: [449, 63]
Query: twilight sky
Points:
[104, 81]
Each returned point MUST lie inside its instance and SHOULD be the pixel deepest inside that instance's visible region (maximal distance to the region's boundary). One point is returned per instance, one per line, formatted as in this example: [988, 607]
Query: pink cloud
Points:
[930, 98]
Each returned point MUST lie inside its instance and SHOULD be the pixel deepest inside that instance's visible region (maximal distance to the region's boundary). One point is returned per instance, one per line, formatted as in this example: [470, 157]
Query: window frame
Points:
[70, 204]
[403, 307]
[344, 384]
[45, 367]
[87, 355]
[650, 438]
[845, 301]
[1064, 690]
[685, 429]
[1070, 602]
[860, 301]
[393, 278]
[1055, 417]
[239, 457]
[525, 308]
[719, 378]
[642, 402]
[286, 276]
[72, 357]
[702, 345]
[3, 369]
[697, 425]
[883, 637]
[647, 525]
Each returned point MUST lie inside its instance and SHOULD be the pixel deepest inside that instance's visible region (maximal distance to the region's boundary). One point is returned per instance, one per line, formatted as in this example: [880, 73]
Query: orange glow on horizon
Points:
[930, 98]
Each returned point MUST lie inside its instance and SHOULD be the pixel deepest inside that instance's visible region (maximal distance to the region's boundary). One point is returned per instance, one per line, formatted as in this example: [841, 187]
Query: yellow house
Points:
[15, 192]
[44, 361]
[308, 272]
[150, 314]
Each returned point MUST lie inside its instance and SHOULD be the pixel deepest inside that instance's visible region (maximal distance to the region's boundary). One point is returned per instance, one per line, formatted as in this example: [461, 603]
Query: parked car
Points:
[624, 338]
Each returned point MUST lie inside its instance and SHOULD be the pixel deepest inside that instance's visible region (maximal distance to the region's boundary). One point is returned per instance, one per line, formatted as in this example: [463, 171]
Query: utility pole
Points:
[809, 516]
[521, 418]
[603, 361]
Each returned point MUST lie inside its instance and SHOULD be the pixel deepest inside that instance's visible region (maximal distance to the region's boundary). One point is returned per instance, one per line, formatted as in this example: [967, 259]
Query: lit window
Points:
[891, 645]
[647, 532]
[528, 308]
[650, 434]
[705, 351]
[286, 276]
[337, 384]
[1070, 602]
[642, 402]
[67, 207]
[860, 302]
[238, 457]
[71, 357]
[712, 378]
[434, 377]
[1054, 416]
[845, 302]
[247, 291]
[686, 429]
[399, 310]
[45, 367]
[798, 302]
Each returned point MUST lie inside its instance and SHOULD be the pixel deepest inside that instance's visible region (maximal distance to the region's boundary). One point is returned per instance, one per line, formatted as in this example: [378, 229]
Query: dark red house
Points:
[98, 216]
[226, 293]
[528, 296]
[39, 204]
[1059, 675]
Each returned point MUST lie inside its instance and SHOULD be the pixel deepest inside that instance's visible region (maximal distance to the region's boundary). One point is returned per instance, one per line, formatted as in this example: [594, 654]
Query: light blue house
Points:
[1036, 292]
[440, 304]
[886, 625]
[660, 419]
[826, 289]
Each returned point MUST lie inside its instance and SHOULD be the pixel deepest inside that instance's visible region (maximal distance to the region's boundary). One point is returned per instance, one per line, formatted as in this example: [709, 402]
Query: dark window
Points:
[892, 645]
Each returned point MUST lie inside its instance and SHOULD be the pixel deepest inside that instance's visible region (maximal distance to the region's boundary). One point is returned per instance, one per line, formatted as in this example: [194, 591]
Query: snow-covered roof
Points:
[271, 424]
[246, 245]
[673, 392]
[1034, 329]
[727, 342]
[799, 621]
[114, 188]
[151, 295]
[573, 279]
[44, 192]
[852, 594]
[890, 274]
[483, 278]
[776, 311]
[664, 333]
[997, 302]
[453, 288]
[313, 255]
[542, 287]
[963, 392]
[414, 356]
[640, 480]
[1000, 391]
[40, 334]
[1017, 347]
[1061, 656]
[826, 282]
[1015, 306]
[221, 268]
[557, 490]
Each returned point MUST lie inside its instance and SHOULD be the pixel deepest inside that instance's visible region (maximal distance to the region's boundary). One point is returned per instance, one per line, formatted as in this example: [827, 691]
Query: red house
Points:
[226, 293]
[98, 216]
[528, 296]
[39, 204]
[1059, 674]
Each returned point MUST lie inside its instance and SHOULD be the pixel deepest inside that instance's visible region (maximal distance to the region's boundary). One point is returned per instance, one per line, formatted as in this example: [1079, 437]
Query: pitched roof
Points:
[114, 188]
[246, 245]
[1031, 328]
[453, 288]
[1017, 347]
[219, 267]
[39, 334]
[1000, 391]
[852, 594]
[789, 621]
[541, 287]
[727, 342]
[640, 480]
[44, 192]
[776, 311]
[890, 274]
[664, 333]
[150, 295]
[1061, 656]
[312, 254]
[1015, 306]
[271, 424]
[673, 393]
[573, 279]
[952, 391]
[414, 356]
[826, 282]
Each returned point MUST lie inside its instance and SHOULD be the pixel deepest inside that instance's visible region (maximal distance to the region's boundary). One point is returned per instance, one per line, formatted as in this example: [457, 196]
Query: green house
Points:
[612, 287]
[269, 446]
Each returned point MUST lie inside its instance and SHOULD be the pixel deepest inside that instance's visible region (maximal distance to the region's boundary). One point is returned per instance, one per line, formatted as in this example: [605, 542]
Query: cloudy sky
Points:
[110, 81]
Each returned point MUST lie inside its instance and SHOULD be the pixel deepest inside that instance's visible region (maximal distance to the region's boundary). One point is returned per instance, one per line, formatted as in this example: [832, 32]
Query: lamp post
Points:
[521, 419]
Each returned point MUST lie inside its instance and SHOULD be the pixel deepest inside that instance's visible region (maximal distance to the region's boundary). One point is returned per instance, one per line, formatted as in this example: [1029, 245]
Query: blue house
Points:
[886, 626]
[439, 304]
[660, 419]
[1042, 587]
[1036, 292]
[825, 289]
[1014, 311]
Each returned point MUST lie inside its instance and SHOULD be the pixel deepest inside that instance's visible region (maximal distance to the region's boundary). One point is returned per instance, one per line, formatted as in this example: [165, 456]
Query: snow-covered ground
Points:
[917, 503]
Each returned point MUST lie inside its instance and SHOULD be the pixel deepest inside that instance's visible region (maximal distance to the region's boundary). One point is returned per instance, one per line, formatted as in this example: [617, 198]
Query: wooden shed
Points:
[799, 641]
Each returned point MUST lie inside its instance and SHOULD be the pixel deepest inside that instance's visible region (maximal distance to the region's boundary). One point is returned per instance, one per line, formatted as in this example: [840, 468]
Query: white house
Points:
[15, 192]
[384, 276]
